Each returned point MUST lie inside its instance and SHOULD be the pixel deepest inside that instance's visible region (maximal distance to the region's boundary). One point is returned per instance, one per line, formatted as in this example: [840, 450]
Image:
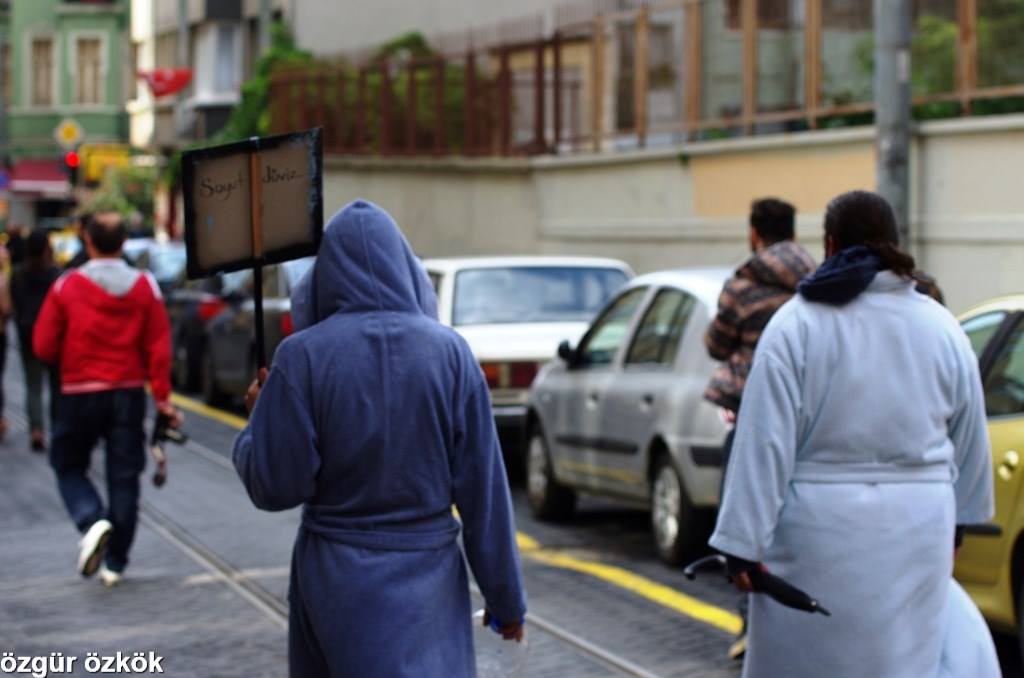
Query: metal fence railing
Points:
[633, 73]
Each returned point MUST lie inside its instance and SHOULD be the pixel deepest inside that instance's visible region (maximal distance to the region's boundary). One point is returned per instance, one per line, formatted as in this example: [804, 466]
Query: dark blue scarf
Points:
[842, 277]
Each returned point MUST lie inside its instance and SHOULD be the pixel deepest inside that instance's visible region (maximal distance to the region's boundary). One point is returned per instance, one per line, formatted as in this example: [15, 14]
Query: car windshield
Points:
[166, 263]
[532, 294]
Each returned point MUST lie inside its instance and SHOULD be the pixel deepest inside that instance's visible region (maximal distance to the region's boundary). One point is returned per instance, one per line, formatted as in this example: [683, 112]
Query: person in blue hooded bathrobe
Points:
[377, 419]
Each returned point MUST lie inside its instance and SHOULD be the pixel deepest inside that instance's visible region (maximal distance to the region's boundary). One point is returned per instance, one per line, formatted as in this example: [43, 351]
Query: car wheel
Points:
[549, 500]
[673, 519]
[211, 390]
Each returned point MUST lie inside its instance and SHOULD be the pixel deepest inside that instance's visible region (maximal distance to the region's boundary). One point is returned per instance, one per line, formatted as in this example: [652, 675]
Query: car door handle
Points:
[647, 399]
[1011, 459]
[593, 397]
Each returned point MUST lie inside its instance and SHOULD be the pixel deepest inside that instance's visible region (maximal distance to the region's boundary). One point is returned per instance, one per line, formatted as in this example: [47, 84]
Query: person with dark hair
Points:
[16, 244]
[106, 325]
[30, 281]
[861, 446]
[82, 256]
[760, 286]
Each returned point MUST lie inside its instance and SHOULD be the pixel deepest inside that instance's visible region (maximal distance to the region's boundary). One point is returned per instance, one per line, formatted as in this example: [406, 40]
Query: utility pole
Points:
[892, 107]
[183, 55]
[264, 26]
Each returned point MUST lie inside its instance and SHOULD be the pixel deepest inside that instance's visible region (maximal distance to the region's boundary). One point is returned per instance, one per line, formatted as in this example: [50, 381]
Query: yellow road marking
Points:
[665, 596]
[530, 548]
[191, 405]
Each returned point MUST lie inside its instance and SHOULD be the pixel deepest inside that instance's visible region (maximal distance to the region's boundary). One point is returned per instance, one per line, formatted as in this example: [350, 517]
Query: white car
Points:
[622, 414]
[515, 311]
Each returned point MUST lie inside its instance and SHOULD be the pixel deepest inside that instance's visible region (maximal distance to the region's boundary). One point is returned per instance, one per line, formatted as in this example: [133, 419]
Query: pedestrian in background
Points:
[861, 445]
[377, 419]
[764, 282]
[30, 281]
[5, 316]
[106, 326]
[82, 255]
[16, 244]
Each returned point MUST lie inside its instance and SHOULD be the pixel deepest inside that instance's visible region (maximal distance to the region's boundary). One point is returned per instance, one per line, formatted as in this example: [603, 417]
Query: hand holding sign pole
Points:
[251, 204]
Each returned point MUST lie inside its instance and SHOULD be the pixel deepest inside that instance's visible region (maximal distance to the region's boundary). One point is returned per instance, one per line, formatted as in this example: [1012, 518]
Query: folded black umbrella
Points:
[764, 582]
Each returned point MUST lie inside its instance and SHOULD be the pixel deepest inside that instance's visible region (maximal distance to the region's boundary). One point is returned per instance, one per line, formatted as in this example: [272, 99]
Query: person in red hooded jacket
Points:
[105, 326]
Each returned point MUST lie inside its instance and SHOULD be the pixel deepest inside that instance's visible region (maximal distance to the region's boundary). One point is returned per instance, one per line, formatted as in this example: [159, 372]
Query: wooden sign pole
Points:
[256, 192]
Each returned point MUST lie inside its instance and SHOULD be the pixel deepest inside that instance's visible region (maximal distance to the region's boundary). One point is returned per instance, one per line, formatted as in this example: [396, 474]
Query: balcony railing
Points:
[657, 72]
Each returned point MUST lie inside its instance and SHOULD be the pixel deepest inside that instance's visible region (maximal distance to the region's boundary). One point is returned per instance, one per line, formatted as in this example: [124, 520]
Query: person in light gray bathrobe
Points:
[377, 419]
[862, 445]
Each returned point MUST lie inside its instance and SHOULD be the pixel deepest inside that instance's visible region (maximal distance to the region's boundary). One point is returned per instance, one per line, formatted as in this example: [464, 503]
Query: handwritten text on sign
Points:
[222, 201]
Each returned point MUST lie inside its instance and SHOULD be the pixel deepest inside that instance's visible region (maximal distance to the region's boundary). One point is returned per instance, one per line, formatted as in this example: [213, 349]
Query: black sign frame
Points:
[315, 205]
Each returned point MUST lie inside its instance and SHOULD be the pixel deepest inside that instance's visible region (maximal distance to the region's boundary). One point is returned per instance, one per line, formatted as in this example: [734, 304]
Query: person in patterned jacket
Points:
[764, 282]
[759, 287]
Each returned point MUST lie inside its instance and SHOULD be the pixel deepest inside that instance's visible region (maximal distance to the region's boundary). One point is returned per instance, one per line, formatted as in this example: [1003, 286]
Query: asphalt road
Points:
[208, 582]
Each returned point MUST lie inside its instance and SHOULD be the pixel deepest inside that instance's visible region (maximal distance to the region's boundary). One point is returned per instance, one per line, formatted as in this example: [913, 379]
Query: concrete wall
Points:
[687, 206]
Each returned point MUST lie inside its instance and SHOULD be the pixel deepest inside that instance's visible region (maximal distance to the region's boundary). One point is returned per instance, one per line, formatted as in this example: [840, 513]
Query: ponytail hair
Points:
[866, 219]
[895, 259]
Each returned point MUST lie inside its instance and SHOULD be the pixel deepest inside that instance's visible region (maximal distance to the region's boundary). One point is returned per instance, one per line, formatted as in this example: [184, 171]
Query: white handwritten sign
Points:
[253, 202]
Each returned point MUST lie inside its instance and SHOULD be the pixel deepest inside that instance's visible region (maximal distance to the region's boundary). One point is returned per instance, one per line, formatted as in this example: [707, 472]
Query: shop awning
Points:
[44, 177]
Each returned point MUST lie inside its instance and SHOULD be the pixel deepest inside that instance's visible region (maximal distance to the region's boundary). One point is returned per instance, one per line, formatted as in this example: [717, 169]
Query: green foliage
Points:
[251, 116]
[934, 63]
[129, 192]
[332, 96]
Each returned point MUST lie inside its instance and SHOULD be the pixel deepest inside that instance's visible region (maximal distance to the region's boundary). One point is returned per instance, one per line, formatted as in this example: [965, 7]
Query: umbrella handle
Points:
[715, 561]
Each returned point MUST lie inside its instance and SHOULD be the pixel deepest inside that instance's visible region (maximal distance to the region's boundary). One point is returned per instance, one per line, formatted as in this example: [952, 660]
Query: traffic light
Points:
[71, 164]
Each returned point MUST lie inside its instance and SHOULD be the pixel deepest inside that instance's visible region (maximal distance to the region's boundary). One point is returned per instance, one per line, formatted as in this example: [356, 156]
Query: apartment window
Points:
[227, 58]
[88, 71]
[42, 72]
[167, 51]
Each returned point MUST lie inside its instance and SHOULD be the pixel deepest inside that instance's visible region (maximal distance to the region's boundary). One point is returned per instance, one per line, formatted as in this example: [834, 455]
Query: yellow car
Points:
[991, 563]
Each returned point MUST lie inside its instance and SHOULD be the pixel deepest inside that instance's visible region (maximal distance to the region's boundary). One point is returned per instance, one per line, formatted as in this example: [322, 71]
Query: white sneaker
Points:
[92, 547]
[109, 577]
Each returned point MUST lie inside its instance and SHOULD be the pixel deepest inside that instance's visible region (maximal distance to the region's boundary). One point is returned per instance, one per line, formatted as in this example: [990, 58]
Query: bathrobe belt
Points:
[825, 472]
[420, 535]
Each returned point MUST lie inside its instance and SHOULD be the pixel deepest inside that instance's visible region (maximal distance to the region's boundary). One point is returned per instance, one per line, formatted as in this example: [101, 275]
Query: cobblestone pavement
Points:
[181, 608]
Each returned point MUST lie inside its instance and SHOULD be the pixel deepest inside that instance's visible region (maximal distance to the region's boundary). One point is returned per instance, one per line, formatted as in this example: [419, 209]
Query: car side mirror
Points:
[567, 353]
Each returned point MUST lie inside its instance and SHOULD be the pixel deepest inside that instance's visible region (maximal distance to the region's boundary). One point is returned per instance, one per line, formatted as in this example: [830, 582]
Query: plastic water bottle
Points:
[495, 656]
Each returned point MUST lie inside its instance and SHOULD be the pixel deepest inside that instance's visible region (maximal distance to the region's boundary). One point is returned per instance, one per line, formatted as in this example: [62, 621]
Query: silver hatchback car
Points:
[622, 415]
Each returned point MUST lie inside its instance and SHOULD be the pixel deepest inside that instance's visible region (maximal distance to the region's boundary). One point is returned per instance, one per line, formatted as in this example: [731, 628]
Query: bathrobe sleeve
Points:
[482, 497]
[762, 459]
[276, 455]
[968, 429]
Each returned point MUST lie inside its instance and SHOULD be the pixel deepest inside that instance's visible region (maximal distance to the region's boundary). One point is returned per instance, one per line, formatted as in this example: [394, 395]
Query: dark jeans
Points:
[35, 373]
[82, 420]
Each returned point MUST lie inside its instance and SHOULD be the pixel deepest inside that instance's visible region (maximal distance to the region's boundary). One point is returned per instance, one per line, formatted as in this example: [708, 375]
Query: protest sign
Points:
[252, 203]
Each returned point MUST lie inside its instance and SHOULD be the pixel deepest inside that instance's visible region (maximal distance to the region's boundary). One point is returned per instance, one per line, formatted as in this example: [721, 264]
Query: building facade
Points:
[217, 40]
[67, 63]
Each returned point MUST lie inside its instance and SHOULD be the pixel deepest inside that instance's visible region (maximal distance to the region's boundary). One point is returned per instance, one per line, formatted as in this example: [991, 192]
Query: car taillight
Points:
[287, 327]
[510, 375]
[492, 372]
[522, 374]
[209, 308]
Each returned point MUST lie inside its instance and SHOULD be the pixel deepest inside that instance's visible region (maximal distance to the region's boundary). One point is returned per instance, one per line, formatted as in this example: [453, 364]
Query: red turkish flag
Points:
[165, 81]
